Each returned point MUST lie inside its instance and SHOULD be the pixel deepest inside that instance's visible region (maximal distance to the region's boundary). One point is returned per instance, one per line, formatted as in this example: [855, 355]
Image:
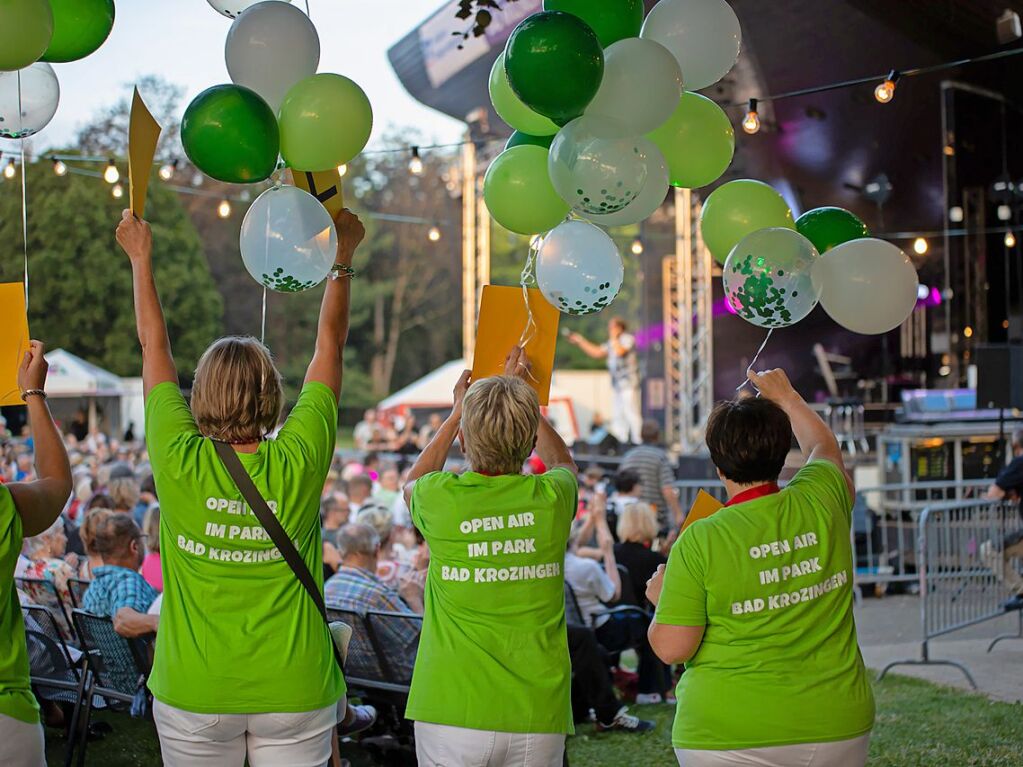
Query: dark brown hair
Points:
[749, 439]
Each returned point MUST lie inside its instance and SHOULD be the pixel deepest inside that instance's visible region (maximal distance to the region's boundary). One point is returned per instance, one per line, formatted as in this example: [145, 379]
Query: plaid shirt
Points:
[115, 587]
[359, 590]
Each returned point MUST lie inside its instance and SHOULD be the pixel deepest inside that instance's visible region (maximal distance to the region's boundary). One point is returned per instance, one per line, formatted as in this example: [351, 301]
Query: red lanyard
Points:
[769, 488]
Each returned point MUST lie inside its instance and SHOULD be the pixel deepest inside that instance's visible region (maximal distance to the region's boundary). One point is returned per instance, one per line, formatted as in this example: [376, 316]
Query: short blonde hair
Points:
[500, 418]
[124, 492]
[237, 395]
[637, 523]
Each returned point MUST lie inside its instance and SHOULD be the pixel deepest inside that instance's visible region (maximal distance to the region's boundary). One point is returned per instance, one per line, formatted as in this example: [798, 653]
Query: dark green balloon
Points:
[828, 227]
[79, 28]
[230, 134]
[554, 64]
[612, 20]
[518, 138]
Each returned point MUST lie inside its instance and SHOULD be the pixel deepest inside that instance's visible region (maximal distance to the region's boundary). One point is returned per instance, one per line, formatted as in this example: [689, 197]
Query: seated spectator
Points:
[87, 531]
[151, 564]
[46, 552]
[124, 492]
[412, 573]
[379, 517]
[627, 490]
[427, 432]
[360, 488]
[637, 528]
[364, 434]
[334, 514]
[592, 689]
[117, 582]
[594, 584]
[356, 587]
[147, 497]
[390, 485]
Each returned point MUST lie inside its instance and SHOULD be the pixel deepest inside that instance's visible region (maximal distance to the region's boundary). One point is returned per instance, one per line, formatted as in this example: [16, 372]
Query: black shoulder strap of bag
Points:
[276, 532]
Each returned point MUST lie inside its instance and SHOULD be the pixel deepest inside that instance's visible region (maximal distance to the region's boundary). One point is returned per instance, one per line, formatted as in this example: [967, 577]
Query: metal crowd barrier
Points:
[965, 579]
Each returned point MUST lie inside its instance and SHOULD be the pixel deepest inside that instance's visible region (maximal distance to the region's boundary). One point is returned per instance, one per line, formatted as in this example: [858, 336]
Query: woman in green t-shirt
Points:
[757, 599]
[26, 509]
[243, 667]
[492, 678]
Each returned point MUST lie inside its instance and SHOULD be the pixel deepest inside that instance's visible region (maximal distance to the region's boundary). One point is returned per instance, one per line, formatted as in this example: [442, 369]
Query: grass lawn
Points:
[918, 725]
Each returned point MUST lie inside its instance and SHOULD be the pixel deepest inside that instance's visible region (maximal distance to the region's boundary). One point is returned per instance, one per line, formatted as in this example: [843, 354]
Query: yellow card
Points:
[13, 340]
[503, 317]
[143, 134]
[704, 505]
[324, 185]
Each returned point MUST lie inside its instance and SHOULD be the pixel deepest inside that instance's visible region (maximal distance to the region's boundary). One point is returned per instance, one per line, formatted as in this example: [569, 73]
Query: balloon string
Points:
[307, 9]
[24, 192]
[754, 360]
[262, 323]
[529, 275]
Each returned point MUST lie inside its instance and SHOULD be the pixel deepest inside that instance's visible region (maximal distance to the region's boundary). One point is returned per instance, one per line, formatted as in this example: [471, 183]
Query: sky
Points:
[183, 41]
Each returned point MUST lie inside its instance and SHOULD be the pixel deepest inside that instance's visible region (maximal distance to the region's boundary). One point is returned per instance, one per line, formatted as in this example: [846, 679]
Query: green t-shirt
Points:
[16, 698]
[771, 580]
[494, 653]
[238, 633]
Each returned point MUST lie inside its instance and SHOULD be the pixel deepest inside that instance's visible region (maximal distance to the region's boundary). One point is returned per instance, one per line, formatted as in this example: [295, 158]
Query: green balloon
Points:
[697, 141]
[325, 121]
[510, 108]
[738, 208]
[828, 227]
[230, 134]
[79, 28]
[519, 193]
[554, 63]
[612, 20]
[518, 138]
[26, 27]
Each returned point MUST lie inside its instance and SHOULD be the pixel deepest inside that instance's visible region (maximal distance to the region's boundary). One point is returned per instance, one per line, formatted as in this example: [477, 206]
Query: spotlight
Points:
[955, 214]
[1004, 212]
[168, 169]
[922, 292]
[111, 175]
[434, 234]
[920, 246]
[9, 169]
[967, 332]
[415, 165]
[751, 123]
[59, 167]
[885, 91]
[1010, 240]
[637, 247]
[224, 209]
[117, 191]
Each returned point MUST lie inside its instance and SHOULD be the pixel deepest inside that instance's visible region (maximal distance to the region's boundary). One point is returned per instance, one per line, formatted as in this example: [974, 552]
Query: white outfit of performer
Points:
[627, 414]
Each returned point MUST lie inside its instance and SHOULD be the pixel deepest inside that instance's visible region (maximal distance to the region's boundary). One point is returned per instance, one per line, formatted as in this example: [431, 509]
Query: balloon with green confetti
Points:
[767, 278]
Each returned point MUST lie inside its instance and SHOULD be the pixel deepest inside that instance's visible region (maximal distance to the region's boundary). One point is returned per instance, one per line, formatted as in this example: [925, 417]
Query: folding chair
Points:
[389, 632]
[44, 592]
[623, 613]
[117, 670]
[76, 588]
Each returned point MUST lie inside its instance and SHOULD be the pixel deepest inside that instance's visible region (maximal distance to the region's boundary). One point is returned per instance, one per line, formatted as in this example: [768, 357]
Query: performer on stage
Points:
[620, 353]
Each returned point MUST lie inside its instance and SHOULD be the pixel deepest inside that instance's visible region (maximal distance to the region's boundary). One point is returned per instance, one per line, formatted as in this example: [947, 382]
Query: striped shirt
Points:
[655, 472]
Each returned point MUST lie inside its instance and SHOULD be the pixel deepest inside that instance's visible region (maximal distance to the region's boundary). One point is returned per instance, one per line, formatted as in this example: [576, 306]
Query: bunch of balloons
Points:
[603, 127]
[776, 269]
[34, 34]
[277, 106]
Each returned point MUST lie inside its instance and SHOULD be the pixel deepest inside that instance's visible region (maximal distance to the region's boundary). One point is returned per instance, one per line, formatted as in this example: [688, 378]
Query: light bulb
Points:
[968, 332]
[117, 191]
[922, 292]
[751, 123]
[167, 170]
[433, 234]
[636, 247]
[885, 91]
[1010, 240]
[1004, 212]
[342, 170]
[9, 169]
[415, 165]
[59, 168]
[955, 214]
[224, 209]
[111, 175]
[920, 246]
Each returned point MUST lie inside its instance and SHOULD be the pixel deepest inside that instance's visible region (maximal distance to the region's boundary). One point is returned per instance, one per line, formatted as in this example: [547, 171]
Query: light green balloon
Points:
[510, 108]
[325, 121]
[738, 208]
[698, 142]
[26, 27]
[519, 193]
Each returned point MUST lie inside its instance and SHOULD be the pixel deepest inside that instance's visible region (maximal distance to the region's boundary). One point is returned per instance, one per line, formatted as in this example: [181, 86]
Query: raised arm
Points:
[435, 454]
[589, 348]
[136, 239]
[39, 503]
[813, 435]
[549, 445]
[332, 329]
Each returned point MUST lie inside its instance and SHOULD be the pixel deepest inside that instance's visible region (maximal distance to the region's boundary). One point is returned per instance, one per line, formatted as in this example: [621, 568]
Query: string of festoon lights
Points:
[885, 86]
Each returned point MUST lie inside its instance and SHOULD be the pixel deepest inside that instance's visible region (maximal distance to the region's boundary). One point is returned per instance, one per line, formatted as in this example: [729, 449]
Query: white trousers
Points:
[439, 745]
[21, 743]
[627, 415]
[225, 740]
[842, 753]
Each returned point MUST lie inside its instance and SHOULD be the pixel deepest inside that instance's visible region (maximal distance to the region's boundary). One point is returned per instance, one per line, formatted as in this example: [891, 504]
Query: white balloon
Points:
[233, 8]
[578, 268]
[703, 35]
[40, 94]
[641, 87]
[867, 286]
[593, 169]
[269, 48]
[652, 196]
[288, 240]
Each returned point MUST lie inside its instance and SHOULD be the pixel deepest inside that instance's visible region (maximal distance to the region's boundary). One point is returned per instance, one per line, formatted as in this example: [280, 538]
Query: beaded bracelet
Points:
[32, 393]
[337, 271]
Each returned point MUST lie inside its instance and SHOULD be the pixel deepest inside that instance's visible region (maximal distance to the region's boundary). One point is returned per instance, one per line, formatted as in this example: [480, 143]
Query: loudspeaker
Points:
[999, 376]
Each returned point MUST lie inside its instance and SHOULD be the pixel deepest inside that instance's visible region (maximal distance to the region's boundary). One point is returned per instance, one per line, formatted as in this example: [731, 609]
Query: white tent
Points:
[96, 390]
[433, 392]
